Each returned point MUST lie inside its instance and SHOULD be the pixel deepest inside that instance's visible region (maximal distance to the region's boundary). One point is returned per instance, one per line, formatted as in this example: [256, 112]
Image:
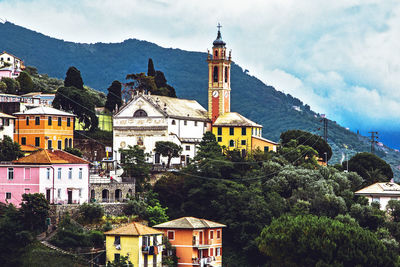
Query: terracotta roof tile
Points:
[189, 223]
[135, 229]
[50, 157]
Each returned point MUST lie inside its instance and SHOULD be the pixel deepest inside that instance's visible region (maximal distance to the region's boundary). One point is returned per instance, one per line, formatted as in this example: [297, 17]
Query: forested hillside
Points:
[101, 63]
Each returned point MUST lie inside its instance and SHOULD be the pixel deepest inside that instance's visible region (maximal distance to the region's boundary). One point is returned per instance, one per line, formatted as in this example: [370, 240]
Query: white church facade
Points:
[146, 119]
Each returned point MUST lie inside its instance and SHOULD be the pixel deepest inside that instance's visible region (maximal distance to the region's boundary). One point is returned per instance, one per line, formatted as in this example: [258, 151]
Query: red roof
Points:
[48, 156]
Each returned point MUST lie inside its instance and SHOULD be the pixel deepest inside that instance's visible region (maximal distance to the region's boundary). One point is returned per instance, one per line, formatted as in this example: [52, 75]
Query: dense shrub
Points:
[90, 213]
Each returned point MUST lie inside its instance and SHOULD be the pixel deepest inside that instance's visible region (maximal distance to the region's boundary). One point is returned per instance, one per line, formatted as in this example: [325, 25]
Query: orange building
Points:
[44, 127]
[198, 242]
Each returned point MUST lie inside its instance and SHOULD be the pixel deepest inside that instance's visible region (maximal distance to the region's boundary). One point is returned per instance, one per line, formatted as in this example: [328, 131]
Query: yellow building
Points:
[44, 127]
[142, 245]
[233, 131]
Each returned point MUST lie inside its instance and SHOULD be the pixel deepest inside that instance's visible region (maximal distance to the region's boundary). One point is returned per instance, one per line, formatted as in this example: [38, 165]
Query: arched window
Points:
[231, 143]
[173, 122]
[104, 196]
[216, 54]
[226, 74]
[215, 74]
[70, 142]
[118, 195]
[140, 113]
[65, 143]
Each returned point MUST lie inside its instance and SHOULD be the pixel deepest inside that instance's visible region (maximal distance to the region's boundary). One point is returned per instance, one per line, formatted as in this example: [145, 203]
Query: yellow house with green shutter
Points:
[142, 245]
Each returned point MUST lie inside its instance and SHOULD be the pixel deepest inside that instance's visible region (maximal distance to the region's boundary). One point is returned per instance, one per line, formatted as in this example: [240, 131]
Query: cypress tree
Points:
[150, 68]
[73, 78]
[25, 83]
[114, 96]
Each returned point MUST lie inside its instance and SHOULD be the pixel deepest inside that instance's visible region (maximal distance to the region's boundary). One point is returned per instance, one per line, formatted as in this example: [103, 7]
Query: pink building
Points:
[62, 177]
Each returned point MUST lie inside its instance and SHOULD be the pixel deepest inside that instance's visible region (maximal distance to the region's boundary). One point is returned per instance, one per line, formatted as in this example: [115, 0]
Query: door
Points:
[157, 158]
[69, 197]
[48, 194]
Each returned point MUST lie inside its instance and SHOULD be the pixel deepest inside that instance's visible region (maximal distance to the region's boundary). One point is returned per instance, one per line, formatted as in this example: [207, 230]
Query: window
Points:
[27, 173]
[49, 144]
[6, 122]
[215, 74]
[80, 192]
[171, 235]
[140, 113]
[216, 54]
[27, 190]
[37, 141]
[146, 241]
[187, 147]
[244, 131]
[376, 199]
[184, 122]
[218, 251]
[80, 173]
[50, 121]
[70, 142]
[59, 121]
[8, 195]
[243, 142]
[211, 234]
[59, 193]
[48, 173]
[219, 139]
[10, 173]
[37, 120]
[219, 130]
[231, 143]
[173, 122]
[211, 252]
[218, 234]
[195, 123]
[59, 173]
[70, 173]
[266, 149]
[23, 140]
[65, 142]
[27, 120]
[226, 74]
[68, 122]
[117, 257]
[140, 141]
[59, 144]
[117, 240]
[231, 131]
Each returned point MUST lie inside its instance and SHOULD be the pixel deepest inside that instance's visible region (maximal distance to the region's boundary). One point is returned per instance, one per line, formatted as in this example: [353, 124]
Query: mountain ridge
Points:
[101, 63]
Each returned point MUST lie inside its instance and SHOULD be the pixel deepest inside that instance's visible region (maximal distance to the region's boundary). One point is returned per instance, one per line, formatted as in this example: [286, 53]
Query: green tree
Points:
[319, 241]
[3, 87]
[135, 167]
[12, 85]
[370, 167]
[9, 150]
[25, 83]
[90, 213]
[299, 155]
[122, 262]
[150, 68]
[34, 211]
[140, 82]
[73, 78]
[393, 207]
[74, 151]
[80, 103]
[168, 149]
[114, 97]
[307, 139]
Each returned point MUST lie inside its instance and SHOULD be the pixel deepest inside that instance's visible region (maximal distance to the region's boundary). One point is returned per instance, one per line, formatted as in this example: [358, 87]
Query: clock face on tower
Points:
[215, 93]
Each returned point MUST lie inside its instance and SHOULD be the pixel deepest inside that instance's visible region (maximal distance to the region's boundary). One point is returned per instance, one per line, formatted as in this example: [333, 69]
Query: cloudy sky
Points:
[341, 57]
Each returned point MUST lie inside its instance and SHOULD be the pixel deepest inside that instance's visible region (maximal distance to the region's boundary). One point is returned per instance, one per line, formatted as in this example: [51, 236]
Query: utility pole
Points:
[374, 136]
[325, 122]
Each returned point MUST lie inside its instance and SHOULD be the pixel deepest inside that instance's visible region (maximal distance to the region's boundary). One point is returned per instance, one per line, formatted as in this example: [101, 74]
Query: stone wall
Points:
[111, 192]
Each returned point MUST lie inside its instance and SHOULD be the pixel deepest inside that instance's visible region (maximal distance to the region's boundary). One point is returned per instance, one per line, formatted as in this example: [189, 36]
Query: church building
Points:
[232, 130]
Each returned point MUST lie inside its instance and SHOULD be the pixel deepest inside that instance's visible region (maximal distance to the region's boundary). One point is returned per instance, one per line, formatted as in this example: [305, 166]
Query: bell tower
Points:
[219, 79]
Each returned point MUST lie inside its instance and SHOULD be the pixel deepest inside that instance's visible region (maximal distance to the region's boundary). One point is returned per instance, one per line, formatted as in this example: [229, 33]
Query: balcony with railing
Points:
[197, 243]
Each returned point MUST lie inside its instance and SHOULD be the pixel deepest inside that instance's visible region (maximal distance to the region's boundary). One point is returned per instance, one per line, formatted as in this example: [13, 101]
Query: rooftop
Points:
[47, 156]
[387, 188]
[4, 115]
[266, 140]
[134, 229]
[234, 119]
[189, 223]
[45, 111]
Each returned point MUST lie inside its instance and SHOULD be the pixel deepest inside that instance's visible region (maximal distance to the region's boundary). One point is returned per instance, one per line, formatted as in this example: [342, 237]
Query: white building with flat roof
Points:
[381, 193]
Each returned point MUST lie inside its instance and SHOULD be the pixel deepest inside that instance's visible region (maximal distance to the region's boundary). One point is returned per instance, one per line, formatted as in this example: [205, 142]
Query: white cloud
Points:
[341, 57]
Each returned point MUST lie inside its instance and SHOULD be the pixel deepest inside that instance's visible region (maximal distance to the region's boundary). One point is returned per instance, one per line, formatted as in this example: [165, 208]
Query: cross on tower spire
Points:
[219, 26]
